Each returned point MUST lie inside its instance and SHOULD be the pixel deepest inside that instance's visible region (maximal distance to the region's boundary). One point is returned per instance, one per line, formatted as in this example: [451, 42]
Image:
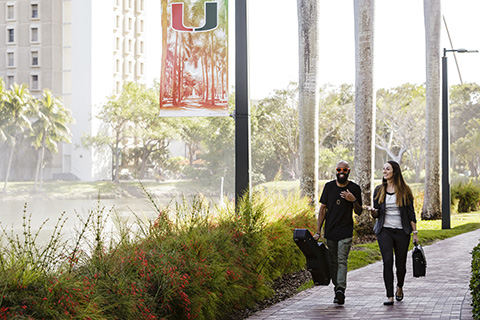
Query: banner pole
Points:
[242, 112]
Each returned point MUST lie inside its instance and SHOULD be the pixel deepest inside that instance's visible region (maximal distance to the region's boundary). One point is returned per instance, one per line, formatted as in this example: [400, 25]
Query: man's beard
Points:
[342, 179]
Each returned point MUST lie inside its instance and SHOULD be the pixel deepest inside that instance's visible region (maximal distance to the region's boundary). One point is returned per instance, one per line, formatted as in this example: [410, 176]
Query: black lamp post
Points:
[446, 140]
[242, 108]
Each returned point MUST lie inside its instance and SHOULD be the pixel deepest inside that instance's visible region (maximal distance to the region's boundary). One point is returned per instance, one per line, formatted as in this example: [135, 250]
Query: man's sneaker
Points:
[339, 297]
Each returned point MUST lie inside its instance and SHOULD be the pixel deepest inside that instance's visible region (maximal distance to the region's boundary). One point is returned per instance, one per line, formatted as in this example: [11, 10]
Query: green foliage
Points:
[410, 176]
[337, 129]
[275, 136]
[132, 114]
[475, 282]
[400, 119]
[468, 196]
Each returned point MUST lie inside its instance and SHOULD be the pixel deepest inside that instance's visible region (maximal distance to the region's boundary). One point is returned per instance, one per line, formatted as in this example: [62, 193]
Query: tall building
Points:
[83, 51]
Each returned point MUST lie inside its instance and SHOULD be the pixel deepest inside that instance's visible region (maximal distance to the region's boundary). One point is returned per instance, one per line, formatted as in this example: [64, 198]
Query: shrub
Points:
[468, 196]
[475, 282]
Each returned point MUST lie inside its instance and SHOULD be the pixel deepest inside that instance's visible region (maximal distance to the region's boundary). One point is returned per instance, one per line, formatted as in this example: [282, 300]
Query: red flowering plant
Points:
[192, 262]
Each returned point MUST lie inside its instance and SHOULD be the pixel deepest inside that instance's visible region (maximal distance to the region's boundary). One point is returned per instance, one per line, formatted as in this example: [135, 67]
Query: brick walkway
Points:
[442, 294]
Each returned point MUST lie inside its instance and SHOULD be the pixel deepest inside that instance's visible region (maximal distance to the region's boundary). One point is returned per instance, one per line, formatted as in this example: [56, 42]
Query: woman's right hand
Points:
[373, 211]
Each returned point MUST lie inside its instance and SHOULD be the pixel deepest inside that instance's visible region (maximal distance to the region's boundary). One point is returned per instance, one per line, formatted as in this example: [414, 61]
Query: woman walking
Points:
[393, 209]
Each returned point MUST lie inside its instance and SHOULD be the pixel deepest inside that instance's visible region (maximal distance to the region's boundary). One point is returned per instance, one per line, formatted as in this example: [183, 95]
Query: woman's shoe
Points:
[399, 297]
[389, 302]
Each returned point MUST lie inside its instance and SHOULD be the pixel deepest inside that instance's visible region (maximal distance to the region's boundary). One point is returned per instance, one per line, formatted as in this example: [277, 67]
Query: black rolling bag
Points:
[316, 254]
[419, 261]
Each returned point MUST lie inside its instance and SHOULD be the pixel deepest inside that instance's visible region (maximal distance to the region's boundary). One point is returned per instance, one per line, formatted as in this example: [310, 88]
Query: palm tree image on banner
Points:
[194, 72]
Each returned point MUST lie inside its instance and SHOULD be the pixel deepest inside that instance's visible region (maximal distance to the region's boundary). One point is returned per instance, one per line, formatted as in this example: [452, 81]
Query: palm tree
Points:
[15, 111]
[364, 105]
[308, 97]
[432, 203]
[50, 128]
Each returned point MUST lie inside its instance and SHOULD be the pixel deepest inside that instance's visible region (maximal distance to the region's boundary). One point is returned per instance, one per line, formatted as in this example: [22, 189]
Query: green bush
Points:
[475, 282]
[468, 196]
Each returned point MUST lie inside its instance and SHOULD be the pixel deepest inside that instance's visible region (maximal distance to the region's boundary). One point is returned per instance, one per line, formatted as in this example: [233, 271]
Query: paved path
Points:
[442, 294]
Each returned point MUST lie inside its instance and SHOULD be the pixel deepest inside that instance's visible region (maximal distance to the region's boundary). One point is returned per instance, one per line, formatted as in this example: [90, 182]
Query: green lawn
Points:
[106, 189]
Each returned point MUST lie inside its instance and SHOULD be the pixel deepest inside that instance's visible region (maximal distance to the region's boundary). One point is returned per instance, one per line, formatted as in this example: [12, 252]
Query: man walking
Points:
[338, 199]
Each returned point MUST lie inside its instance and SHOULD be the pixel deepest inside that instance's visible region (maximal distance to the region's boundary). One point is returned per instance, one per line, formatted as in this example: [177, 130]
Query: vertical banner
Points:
[194, 72]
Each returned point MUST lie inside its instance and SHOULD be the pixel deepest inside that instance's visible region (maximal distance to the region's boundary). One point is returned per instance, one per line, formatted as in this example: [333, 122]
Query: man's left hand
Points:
[347, 195]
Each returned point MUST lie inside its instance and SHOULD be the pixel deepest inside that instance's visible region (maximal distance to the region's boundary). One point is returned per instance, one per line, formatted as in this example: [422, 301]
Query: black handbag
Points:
[419, 261]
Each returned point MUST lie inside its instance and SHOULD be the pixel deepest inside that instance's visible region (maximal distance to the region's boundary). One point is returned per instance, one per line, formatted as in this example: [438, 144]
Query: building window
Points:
[141, 26]
[141, 68]
[117, 66]
[129, 45]
[10, 12]
[35, 61]
[11, 35]
[129, 24]
[117, 44]
[34, 11]
[129, 67]
[10, 81]
[35, 85]
[10, 59]
[142, 47]
[34, 34]
[117, 22]
[141, 5]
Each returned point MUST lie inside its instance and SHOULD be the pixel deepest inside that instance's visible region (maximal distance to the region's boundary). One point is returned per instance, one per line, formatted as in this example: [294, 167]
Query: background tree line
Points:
[137, 140]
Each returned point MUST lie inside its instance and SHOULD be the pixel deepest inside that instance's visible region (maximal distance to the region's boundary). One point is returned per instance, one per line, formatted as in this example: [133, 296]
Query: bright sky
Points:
[399, 43]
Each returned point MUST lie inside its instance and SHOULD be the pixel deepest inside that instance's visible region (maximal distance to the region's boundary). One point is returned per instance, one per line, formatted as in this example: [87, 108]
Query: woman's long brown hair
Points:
[402, 190]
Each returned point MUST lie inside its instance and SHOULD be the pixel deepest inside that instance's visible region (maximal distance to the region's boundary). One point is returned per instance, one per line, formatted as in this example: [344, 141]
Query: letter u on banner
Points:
[194, 72]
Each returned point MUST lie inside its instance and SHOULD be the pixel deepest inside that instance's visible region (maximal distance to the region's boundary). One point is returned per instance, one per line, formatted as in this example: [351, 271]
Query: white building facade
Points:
[83, 51]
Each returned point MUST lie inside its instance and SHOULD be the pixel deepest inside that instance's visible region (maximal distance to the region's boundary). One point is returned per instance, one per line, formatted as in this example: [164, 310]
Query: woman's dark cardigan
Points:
[407, 214]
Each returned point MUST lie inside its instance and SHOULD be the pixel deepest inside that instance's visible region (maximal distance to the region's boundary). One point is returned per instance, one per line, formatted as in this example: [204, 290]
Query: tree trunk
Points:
[308, 98]
[432, 203]
[9, 166]
[145, 155]
[42, 159]
[39, 170]
[364, 107]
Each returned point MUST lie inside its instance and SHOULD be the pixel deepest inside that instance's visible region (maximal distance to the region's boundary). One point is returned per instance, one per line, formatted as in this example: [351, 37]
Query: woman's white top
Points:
[392, 212]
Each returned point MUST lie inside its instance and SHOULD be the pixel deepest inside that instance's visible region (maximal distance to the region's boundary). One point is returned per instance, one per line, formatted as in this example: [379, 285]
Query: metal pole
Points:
[242, 112]
[445, 147]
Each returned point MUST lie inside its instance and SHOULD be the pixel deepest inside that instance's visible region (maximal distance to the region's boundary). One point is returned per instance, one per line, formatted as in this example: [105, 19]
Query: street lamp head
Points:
[465, 50]
[458, 50]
